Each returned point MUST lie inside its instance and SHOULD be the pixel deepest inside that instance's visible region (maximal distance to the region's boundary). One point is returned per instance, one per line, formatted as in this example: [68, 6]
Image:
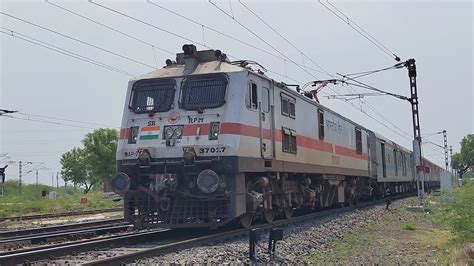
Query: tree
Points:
[93, 164]
[465, 158]
[75, 169]
[100, 147]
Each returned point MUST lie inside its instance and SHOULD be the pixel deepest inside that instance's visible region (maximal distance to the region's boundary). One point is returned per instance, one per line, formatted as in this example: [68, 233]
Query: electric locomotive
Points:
[205, 141]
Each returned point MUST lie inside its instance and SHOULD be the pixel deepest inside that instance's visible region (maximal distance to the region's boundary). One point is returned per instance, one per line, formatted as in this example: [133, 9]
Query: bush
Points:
[31, 201]
[459, 213]
[409, 226]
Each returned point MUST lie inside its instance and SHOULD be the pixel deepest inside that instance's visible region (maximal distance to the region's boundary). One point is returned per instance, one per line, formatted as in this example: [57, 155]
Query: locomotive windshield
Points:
[152, 95]
[203, 92]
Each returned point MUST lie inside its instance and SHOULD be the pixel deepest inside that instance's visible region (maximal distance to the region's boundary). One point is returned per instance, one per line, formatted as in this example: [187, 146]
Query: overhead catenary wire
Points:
[154, 26]
[67, 120]
[49, 122]
[212, 29]
[273, 29]
[285, 39]
[163, 30]
[366, 73]
[63, 52]
[78, 40]
[148, 24]
[360, 30]
[382, 116]
[154, 46]
[364, 31]
[260, 38]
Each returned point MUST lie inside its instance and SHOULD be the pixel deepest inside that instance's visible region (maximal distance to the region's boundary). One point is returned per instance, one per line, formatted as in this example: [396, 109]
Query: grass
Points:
[343, 249]
[409, 226]
[456, 214]
[31, 201]
[444, 230]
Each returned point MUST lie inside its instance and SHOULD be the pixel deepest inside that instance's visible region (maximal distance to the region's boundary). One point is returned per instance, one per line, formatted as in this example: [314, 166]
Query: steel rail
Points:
[59, 214]
[62, 249]
[58, 228]
[65, 235]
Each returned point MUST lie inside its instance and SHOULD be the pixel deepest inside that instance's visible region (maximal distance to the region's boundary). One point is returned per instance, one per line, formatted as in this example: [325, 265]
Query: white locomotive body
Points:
[205, 141]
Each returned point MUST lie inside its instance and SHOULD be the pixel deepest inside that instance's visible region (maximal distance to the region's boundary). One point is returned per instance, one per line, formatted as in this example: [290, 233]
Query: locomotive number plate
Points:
[207, 150]
[131, 153]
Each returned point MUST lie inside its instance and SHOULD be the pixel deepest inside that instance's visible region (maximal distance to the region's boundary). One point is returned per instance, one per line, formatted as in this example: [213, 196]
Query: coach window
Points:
[288, 106]
[404, 165]
[321, 124]
[358, 133]
[289, 140]
[265, 100]
[384, 165]
[396, 162]
[252, 97]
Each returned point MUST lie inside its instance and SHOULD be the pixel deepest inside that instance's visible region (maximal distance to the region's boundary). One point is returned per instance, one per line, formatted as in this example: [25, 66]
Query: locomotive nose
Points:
[121, 183]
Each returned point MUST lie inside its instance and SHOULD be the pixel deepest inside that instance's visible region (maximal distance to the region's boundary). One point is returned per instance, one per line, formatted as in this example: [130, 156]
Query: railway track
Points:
[27, 255]
[169, 241]
[58, 228]
[61, 214]
[61, 236]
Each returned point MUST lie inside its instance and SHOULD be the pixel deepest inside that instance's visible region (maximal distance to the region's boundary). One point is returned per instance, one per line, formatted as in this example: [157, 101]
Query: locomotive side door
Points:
[266, 119]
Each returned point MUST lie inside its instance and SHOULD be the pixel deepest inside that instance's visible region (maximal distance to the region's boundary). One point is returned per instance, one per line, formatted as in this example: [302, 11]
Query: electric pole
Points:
[36, 177]
[410, 64]
[451, 156]
[19, 181]
[445, 136]
[57, 180]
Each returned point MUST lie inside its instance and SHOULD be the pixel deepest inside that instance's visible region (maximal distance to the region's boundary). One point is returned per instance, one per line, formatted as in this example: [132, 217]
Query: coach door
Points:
[266, 119]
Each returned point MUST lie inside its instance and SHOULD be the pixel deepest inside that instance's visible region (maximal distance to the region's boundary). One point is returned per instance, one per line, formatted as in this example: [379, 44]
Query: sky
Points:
[46, 86]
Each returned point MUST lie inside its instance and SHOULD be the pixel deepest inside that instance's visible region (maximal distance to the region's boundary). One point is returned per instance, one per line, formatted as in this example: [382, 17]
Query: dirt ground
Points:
[405, 235]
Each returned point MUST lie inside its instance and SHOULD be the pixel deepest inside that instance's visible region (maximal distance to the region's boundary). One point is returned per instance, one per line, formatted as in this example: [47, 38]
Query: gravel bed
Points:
[299, 240]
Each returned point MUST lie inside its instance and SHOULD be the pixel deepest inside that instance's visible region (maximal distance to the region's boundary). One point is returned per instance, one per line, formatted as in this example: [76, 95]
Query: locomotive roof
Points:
[177, 70]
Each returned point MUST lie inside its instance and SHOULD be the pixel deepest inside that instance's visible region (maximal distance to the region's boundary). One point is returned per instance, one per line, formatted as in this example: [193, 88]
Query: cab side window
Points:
[288, 106]
[251, 99]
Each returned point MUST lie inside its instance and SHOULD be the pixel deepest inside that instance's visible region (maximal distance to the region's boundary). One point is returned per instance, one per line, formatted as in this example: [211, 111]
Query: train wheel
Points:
[246, 220]
[269, 215]
[288, 213]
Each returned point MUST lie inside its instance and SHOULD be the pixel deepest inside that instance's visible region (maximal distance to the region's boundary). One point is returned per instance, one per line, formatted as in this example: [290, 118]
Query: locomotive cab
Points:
[173, 161]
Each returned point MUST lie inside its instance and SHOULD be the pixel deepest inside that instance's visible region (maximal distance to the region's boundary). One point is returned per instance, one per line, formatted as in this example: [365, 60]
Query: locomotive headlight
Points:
[207, 181]
[214, 130]
[178, 132]
[169, 132]
[121, 183]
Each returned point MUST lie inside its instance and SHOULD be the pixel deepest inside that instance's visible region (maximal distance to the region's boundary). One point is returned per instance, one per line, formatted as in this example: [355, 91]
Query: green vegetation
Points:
[409, 226]
[343, 249]
[93, 164]
[31, 200]
[441, 235]
[456, 213]
[465, 158]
